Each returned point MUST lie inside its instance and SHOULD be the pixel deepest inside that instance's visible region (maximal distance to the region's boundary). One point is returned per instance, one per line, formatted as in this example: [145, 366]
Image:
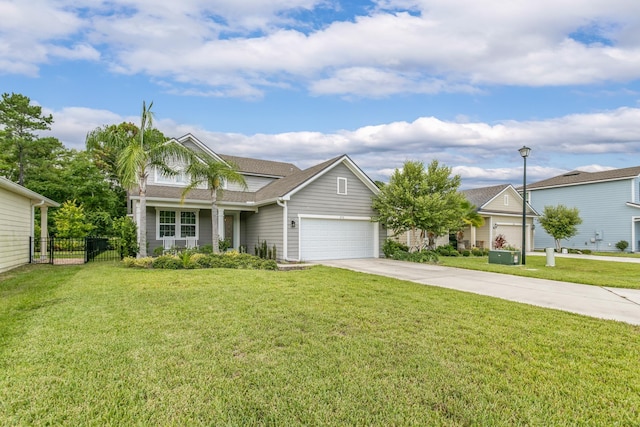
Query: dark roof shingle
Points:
[580, 177]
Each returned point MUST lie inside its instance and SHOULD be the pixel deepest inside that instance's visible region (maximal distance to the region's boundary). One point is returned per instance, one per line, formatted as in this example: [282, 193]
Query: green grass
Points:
[576, 270]
[102, 345]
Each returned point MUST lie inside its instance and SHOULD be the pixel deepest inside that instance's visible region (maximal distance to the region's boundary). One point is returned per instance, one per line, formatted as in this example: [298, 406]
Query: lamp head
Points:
[524, 151]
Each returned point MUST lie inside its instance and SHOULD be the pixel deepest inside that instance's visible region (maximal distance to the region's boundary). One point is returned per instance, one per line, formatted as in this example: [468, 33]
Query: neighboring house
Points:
[501, 208]
[17, 213]
[323, 212]
[608, 202]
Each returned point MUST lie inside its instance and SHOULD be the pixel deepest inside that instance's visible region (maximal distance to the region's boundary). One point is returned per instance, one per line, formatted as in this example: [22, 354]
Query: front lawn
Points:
[577, 270]
[103, 345]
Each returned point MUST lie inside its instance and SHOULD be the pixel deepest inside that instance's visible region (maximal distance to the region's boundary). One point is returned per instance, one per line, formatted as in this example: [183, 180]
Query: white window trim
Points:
[179, 180]
[341, 179]
[505, 200]
[179, 235]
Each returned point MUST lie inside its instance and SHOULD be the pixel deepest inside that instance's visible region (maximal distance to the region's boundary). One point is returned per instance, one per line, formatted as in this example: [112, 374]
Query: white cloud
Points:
[480, 152]
[241, 48]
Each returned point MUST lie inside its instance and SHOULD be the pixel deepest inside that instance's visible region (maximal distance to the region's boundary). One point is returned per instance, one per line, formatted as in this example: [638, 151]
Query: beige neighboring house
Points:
[17, 216]
[501, 208]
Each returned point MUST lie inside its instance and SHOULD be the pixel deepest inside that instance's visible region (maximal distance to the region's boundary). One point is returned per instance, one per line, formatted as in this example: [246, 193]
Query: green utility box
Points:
[504, 257]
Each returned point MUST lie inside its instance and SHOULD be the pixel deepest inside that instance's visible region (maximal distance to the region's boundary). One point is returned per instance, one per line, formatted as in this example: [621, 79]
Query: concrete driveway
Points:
[605, 303]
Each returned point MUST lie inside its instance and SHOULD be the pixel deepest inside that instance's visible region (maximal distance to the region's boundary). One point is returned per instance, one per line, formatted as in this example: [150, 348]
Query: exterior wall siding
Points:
[321, 198]
[15, 229]
[264, 225]
[602, 208]
[515, 202]
[204, 228]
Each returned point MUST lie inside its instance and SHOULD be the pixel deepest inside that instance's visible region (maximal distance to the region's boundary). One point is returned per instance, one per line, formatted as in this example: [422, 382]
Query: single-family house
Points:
[17, 223]
[501, 208]
[323, 212]
[608, 203]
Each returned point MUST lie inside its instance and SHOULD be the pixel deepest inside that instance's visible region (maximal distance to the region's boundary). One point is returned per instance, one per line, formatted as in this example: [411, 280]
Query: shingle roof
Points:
[580, 177]
[480, 196]
[261, 167]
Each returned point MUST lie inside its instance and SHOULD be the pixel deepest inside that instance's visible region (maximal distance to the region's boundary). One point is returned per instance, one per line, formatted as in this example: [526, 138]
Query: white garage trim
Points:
[360, 237]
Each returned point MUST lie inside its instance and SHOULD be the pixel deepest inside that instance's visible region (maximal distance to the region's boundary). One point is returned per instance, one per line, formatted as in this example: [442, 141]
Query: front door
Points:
[228, 230]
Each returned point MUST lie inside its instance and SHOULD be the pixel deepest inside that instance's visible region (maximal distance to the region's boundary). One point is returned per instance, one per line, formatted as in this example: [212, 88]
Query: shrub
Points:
[170, 262]
[158, 251]
[132, 262]
[477, 252]
[200, 260]
[206, 249]
[126, 230]
[190, 259]
[447, 250]
[224, 244]
[390, 246]
[466, 253]
[622, 245]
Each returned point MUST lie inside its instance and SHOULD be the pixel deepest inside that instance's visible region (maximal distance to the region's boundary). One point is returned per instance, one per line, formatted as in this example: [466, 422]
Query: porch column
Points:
[44, 233]
[236, 231]
[221, 235]
[472, 238]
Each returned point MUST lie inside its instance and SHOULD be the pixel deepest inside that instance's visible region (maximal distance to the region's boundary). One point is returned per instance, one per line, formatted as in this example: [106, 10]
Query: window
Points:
[180, 178]
[506, 200]
[342, 185]
[188, 224]
[167, 221]
[178, 224]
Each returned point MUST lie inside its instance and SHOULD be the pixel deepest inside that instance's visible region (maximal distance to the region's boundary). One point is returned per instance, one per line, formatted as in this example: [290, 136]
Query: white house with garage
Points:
[323, 212]
[17, 222]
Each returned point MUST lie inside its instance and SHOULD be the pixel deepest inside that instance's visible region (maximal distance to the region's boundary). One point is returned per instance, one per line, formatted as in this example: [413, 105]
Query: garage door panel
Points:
[336, 239]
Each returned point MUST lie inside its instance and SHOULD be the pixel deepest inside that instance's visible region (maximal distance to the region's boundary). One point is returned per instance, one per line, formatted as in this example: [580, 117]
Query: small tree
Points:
[71, 222]
[418, 199]
[560, 222]
[622, 245]
[125, 228]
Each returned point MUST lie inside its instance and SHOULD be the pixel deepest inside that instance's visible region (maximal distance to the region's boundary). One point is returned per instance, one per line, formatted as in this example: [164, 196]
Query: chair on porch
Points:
[168, 244]
[192, 242]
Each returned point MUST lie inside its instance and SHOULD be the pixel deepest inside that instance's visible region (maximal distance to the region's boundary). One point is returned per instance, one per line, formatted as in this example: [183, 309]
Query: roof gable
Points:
[288, 186]
[484, 197]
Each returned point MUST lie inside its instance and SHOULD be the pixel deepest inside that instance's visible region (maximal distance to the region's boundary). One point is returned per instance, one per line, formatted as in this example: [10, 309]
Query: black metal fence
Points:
[56, 250]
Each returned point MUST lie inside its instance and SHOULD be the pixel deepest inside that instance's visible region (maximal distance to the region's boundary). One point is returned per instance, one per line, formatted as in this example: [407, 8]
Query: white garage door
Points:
[512, 233]
[336, 239]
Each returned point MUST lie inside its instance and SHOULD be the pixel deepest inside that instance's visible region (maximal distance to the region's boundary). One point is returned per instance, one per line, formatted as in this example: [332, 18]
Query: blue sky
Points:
[466, 82]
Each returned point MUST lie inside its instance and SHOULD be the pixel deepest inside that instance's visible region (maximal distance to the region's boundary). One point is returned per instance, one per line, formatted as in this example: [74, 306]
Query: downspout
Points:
[285, 241]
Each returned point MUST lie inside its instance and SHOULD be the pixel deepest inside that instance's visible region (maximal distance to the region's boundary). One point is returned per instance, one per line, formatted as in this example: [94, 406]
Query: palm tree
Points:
[137, 152]
[471, 218]
[214, 174]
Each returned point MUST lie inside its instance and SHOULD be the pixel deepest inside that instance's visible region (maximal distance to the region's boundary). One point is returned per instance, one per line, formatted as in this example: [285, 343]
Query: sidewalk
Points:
[593, 257]
[601, 302]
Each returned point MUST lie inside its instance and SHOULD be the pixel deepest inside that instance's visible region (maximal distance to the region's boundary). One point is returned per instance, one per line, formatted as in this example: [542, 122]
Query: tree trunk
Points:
[142, 226]
[214, 222]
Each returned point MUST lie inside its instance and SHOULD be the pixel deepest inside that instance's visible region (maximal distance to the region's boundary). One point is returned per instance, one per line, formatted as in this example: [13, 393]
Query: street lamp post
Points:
[524, 152]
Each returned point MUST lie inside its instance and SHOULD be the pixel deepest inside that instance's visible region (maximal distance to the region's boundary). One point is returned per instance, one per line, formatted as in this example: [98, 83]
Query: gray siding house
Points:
[323, 212]
[609, 205]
